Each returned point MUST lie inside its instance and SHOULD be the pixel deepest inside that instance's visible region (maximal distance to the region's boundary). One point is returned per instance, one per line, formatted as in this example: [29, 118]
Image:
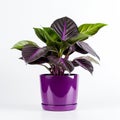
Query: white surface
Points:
[99, 95]
[34, 112]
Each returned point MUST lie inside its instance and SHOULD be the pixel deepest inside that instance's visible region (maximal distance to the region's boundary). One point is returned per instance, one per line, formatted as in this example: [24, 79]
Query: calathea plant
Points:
[62, 39]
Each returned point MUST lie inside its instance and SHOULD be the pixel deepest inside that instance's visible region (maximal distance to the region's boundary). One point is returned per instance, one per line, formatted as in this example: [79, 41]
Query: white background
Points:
[99, 95]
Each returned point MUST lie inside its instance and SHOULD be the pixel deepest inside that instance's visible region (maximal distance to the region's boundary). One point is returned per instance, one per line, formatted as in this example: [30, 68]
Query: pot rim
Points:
[59, 75]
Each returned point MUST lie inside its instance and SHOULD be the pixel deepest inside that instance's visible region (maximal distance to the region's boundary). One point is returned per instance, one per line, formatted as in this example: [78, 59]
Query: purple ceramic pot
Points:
[59, 93]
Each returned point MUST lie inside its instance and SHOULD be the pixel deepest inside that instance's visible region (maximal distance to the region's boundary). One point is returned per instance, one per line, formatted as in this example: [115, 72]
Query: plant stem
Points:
[60, 53]
[66, 57]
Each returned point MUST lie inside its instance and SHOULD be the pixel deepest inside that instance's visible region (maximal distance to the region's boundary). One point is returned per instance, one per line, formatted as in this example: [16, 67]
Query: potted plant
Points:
[62, 38]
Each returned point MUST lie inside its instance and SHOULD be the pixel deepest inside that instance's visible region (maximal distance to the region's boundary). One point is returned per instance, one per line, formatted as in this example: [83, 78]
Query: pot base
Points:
[59, 107]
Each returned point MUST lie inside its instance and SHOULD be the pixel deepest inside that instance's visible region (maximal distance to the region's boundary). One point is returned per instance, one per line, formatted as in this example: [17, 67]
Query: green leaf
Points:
[51, 38]
[19, 45]
[52, 34]
[80, 37]
[40, 34]
[90, 29]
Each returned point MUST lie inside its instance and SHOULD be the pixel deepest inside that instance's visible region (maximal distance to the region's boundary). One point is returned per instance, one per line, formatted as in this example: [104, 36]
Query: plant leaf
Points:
[89, 59]
[40, 34]
[39, 61]
[52, 39]
[90, 29]
[79, 37]
[31, 53]
[19, 45]
[52, 33]
[79, 48]
[65, 27]
[66, 65]
[69, 50]
[53, 59]
[83, 63]
[87, 48]
[61, 62]
[49, 40]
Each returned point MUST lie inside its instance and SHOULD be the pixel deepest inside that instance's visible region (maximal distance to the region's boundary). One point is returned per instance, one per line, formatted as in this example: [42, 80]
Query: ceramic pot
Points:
[59, 93]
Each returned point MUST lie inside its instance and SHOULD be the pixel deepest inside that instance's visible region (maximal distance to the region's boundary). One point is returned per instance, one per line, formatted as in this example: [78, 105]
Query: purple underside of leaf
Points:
[53, 59]
[64, 31]
[32, 53]
[83, 63]
[79, 48]
[61, 63]
[67, 65]
[65, 27]
[40, 61]
[84, 48]
[69, 50]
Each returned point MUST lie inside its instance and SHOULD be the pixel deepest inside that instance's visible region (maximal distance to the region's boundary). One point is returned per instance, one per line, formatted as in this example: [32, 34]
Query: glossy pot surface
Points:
[59, 93]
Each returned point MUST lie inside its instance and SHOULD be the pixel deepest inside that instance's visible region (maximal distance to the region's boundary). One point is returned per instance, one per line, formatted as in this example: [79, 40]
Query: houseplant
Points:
[59, 89]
